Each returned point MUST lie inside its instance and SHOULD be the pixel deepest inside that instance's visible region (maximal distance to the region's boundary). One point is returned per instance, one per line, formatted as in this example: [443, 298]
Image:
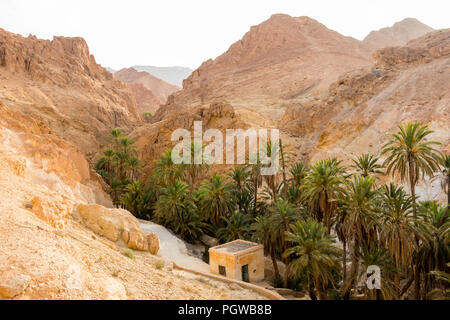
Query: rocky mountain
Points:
[407, 83]
[59, 236]
[150, 91]
[59, 84]
[397, 35]
[172, 75]
[281, 59]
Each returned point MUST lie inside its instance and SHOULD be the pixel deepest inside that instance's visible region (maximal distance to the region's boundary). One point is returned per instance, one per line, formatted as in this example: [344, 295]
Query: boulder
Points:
[153, 243]
[116, 225]
[209, 241]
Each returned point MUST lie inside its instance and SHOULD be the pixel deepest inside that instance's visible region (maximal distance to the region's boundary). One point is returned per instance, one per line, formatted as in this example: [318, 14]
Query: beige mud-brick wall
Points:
[255, 261]
[228, 260]
[233, 261]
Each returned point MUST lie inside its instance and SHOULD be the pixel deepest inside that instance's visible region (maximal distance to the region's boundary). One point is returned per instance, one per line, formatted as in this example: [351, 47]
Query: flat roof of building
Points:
[236, 246]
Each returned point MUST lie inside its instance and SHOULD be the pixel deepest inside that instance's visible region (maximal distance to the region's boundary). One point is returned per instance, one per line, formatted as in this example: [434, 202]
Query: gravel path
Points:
[173, 248]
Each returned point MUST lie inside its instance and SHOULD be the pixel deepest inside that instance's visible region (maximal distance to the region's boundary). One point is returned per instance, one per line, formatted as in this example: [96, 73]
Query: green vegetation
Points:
[300, 213]
[159, 264]
[128, 253]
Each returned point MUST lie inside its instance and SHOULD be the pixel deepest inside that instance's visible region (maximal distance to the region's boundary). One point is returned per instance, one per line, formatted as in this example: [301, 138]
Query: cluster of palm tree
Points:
[326, 222]
[119, 166]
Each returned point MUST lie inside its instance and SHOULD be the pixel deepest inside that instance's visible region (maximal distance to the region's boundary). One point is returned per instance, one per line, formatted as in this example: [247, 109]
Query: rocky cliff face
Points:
[59, 84]
[404, 84]
[397, 35]
[281, 59]
[153, 139]
[146, 100]
[58, 238]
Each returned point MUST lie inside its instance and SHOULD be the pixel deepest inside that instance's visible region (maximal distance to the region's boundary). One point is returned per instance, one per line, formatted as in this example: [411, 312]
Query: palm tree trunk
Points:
[417, 277]
[311, 292]
[448, 192]
[284, 170]
[275, 264]
[397, 285]
[413, 194]
[256, 195]
[353, 273]
[344, 267]
[319, 289]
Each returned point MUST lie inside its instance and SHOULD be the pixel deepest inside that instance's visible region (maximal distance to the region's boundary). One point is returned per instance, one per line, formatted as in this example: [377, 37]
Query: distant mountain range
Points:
[173, 75]
[150, 92]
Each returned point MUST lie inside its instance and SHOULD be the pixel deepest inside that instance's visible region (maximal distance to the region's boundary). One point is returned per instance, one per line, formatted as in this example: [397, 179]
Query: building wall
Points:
[234, 262]
[255, 261]
[219, 258]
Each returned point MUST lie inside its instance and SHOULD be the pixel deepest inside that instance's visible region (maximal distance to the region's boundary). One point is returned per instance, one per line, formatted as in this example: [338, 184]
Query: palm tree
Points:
[272, 180]
[359, 205]
[115, 135]
[166, 171]
[283, 214]
[298, 172]
[265, 232]
[371, 255]
[105, 166]
[367, 165]
[434, 251]
[134, 165]
[397, 228]
[256, 180]
[312, 251]
[174, 203]
[441, 294]
[236, 227]
[116, 188]
[239, 175]
[192, 171]
[216, 198]
[121, 161]
[139, 199]
[190, 226]
[322, 187]
[293, 195]
[412, 157]
[126, 146]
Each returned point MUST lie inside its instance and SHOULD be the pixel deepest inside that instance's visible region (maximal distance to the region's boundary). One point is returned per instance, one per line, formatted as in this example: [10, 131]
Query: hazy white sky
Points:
[187, 32]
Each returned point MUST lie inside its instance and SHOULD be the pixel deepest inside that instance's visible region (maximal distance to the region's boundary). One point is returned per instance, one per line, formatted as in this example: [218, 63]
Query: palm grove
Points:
[326, 222]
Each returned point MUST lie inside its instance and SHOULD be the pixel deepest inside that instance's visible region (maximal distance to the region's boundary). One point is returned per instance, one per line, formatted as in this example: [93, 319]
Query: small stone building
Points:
[240, 260]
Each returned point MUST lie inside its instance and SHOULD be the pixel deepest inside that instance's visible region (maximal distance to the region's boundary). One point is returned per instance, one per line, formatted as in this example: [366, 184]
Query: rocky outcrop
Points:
[59, 84]
[397, 35]
[116, 225]
[153, 139]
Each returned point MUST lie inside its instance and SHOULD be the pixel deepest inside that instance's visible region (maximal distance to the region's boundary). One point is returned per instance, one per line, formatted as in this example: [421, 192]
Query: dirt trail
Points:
[173, 248]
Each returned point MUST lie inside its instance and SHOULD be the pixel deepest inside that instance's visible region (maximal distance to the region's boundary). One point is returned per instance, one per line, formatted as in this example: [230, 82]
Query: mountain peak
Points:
[397, 35]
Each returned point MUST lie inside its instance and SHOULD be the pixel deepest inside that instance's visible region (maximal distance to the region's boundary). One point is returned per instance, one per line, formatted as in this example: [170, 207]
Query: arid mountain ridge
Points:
[282, 59]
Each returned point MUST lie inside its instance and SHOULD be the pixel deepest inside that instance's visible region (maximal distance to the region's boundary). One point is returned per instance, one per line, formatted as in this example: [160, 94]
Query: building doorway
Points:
[245, 275]
[222, 271]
